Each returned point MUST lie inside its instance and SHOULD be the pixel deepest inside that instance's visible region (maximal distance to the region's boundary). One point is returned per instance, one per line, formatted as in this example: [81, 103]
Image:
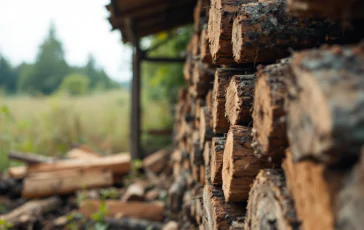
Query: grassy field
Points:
[50, 125]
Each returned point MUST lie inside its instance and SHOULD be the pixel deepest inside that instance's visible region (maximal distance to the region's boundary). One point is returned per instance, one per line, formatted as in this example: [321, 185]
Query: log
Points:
[217, 151]
[17, 172]
[269, 123]
[324, 8]
[208, 100]
[200, 17]
[263, 32]
[202, 78]
[175, 194]
[43, 184]
[207, 153]
[240, 165]
[195, 44]
[220, 214]
[82, 152]
[157, 161]
[135, 191]
[206, 132]
[202, 178]
[237, 224]
[29, 158]
[119, 164]
[222, 13]
[269, 191]
[31, 211]
[239, 99]
[222, 79]
[153, 211]
[321, 124]
[205, 54]
[187, 68]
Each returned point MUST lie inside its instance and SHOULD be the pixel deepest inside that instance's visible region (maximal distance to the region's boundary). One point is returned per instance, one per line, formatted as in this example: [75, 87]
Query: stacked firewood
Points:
[268, 133]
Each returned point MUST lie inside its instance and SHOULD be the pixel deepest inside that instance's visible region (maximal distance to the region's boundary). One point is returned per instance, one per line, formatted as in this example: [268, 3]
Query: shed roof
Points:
[140, 18]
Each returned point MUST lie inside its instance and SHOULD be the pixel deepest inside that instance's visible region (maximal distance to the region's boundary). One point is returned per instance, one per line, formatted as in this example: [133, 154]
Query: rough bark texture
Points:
[220, 214]
[202, 78]
[240, 165]
[239, 99]
[263, 32]
[222, 79]
[220, 27]
[269, 124]
[325, 115]
[270, 205]
[326, 8]
[217, 151]
[205, 54]
[206, 132]
[207, 153]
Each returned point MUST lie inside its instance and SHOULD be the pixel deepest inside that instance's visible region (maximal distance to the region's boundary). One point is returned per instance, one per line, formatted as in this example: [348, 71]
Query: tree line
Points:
[50, 73]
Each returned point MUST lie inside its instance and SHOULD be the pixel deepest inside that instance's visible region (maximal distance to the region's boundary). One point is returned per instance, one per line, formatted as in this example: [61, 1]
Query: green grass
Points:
[50, 125]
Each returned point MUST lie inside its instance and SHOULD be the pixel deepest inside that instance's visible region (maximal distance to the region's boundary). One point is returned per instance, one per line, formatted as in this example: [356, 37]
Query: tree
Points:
[8, 76]
[75, 84]
[98, 77]
[50, 67]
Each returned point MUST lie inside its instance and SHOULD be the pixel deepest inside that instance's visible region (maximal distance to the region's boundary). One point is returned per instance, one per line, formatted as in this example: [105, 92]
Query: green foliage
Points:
[75, 85]
[8, 76]
[4, 225]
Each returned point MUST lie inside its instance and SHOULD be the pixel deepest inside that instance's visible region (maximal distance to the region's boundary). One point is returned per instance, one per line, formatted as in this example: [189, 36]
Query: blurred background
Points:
[64, 80]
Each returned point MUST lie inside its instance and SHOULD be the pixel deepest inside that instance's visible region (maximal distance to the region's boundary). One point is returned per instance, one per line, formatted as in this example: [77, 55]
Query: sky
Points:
[81, 25]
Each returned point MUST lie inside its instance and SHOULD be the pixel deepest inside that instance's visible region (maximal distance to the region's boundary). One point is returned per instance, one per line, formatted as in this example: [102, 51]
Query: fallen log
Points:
[30, 158]
[269, 123]
[217, 151]
[239, 99]
[220, 214]
[263, 32]
[324, 8]
[153, 211]
[119, 164]
[31, 211]
[206, 132]
[43, 184]
[221, 14]
[157, 161]
[321, 124]
[222, 78]
[269, 191]
[240, 165]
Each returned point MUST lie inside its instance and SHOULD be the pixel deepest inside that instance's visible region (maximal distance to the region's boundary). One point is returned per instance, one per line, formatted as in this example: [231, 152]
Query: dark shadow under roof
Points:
[140, 18]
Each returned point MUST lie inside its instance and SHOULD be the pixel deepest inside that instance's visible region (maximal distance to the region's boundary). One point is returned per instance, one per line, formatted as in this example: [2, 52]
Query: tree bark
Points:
[239, 99]
[240, 165]
[202, 78]
[269, 123]
[263, 32]
[205, 54]
[269, 191]
[44, 184]
[217, 151]
[206, 132]
[321, 123]
[220, 214]
[221, 16]
[222, 79]
[325, 8]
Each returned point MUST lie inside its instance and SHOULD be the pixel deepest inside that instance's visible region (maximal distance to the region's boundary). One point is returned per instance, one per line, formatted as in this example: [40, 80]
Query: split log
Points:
[82, 153]
[135, 191]
[205, 54]
[208, 100]
[217, 151]
[324, 8]
[263, 32]
[200, 14]
[220, 214]
[206, 132]
[119, 164]
[221, 14]
[269, 123]
[196, 154]
[202, 79]
[221, 82]
[207, 153]
[321, 124]
[270, 206]
[153, 211]
[202, 178]
[240, 165]
[239, 99]
[44, 184]
[31, 211]
[175, 194]
[157, 161]
[195, 44]
[187, 68]
[29, 158]
[17, 172]
[196, 172]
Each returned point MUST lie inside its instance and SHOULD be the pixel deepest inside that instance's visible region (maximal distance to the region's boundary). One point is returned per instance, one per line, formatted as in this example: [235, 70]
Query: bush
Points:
[75, 84]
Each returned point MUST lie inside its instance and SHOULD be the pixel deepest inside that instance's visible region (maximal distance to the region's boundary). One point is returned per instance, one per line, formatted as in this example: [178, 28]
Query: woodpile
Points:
[286, 135]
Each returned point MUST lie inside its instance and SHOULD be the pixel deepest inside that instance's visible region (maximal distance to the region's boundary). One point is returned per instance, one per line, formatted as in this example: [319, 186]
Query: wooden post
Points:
[135, 129]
